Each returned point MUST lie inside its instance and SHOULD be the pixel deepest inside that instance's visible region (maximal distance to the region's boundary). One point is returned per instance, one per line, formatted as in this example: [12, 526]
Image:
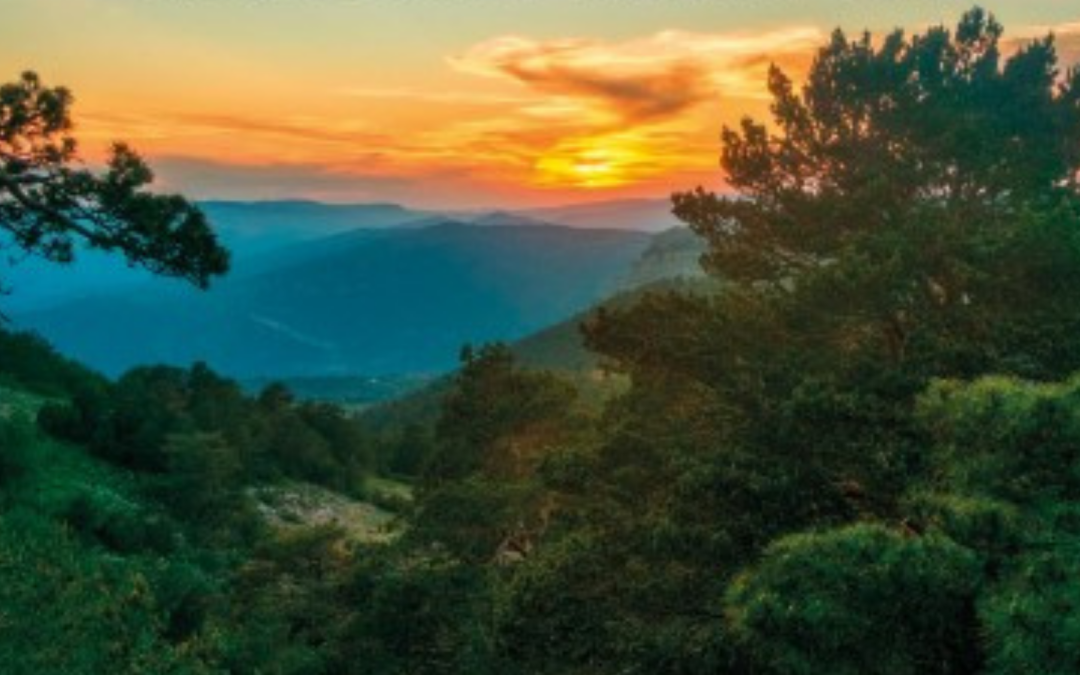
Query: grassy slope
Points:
[56, 474]
[15, 402]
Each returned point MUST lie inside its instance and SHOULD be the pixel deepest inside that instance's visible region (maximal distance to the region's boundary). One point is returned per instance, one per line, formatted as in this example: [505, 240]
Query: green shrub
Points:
[860, 600]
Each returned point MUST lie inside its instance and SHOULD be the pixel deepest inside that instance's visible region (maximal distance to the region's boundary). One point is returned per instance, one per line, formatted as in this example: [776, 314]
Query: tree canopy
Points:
[50, 204]
[924, 186]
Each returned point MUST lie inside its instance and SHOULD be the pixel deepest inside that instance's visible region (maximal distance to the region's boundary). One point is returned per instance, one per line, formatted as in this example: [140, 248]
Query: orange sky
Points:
[454, 103]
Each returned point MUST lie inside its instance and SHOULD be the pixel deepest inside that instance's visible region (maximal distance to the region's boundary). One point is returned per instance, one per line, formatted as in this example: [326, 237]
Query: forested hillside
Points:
[853, 449]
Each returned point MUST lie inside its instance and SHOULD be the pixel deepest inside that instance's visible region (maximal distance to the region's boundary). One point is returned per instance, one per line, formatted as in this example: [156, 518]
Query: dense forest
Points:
[857, 450]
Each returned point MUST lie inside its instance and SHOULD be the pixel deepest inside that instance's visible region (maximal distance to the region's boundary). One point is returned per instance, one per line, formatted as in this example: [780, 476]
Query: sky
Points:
[442, 103]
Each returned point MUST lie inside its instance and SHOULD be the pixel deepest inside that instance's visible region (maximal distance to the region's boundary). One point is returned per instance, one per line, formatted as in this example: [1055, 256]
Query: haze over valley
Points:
[349, 290]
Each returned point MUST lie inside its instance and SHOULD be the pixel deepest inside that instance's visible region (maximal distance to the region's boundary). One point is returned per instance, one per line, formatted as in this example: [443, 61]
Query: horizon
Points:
[481, 210]
[506, 106]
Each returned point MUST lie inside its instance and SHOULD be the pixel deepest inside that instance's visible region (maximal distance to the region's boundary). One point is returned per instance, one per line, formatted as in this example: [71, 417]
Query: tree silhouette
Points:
[49, 204]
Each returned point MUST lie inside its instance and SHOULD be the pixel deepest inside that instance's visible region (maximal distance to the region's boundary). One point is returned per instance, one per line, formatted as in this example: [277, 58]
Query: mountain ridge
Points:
[389, 302]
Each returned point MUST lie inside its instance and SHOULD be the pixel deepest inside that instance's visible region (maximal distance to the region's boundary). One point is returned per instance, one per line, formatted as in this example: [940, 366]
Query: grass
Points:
[17, 403]
[55, 473]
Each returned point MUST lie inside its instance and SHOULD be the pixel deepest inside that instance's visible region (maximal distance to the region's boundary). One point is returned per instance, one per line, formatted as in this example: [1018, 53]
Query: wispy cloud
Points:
[435, 187]
[220, 179]
[647, 79]
[428, 96]
[321, 130]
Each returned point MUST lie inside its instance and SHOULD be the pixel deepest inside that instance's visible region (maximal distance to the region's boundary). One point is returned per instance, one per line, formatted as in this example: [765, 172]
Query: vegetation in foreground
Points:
[859, 457]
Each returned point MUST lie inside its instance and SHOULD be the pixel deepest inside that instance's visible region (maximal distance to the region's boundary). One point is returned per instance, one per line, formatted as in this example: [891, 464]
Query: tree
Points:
[479, 495]
[912, 213]
[499, 418]
[203, 480]
[925, 189]
[49, 206]
[1004, 484]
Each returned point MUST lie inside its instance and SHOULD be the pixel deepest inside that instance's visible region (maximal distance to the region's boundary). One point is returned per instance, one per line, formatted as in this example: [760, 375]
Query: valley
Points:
[314, 299]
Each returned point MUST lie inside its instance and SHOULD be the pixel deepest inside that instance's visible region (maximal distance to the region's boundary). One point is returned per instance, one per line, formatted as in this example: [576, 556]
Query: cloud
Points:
[639, 91]
[436, 187]
[303, 129]
[645, 80]
[210, 179]
[428, 96]
[555, 114]
[307, 129]
[605, 114]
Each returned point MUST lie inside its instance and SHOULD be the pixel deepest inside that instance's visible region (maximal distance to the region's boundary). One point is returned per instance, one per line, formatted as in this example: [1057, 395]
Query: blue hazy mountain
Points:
[253, 228]
[266, 234]
[648, 215]
[259, 234]
[371, 301]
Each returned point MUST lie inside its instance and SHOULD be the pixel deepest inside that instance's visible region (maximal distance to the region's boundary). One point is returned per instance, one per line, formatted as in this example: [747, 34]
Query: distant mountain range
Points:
[648, 215]
[395, 301]
[252, 231]
[261, 234]
[321, 290]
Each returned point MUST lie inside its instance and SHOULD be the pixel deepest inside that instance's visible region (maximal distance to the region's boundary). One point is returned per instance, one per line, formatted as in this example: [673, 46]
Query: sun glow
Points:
[591, 163]
[515, 102]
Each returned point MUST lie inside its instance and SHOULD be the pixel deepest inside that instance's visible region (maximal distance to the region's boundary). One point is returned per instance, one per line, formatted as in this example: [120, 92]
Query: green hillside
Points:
[149, 525]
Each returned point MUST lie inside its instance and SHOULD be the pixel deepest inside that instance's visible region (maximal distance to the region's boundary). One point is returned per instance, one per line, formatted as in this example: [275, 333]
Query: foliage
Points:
[48, 206]
[1031, 618]
[913, 216]
[494, 404]
[168, 420]
[924, 187]
[421, 615]
[16, 437]
[1005, 448]
[90, 614]
[862, 599]
[1007, 439]
[479, 496]
[28, 361]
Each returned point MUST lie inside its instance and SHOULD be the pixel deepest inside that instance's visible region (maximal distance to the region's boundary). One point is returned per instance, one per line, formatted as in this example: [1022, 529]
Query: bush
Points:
[861, 600]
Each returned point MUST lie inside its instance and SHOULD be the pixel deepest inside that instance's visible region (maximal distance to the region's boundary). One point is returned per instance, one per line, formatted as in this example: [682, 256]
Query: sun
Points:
[589, 163]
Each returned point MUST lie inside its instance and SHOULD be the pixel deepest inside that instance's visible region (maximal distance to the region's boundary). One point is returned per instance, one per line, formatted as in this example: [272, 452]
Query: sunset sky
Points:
[440, 103]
